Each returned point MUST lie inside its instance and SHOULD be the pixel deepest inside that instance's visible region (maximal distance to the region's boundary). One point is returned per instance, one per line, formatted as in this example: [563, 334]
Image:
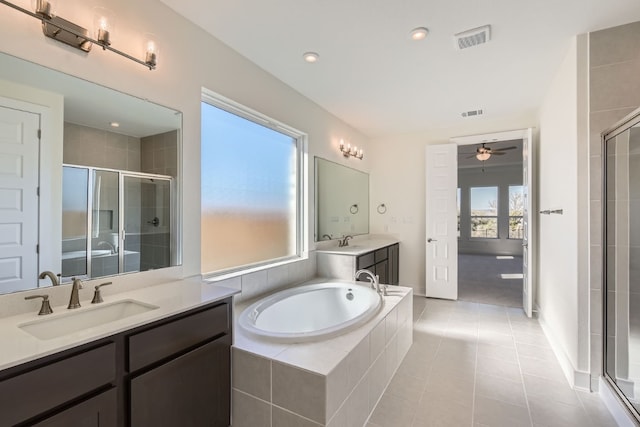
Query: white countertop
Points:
[358, 246]
[171, 298]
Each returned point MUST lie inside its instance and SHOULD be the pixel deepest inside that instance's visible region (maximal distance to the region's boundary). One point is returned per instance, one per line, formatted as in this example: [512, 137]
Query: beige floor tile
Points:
[535, 352]
[549, 369]
[406, 387]
[553, 391]
[507, 354]
[555, 414]
[507, 370]
[495, 413]
[392, 411]
[438, 409]
[498, 388]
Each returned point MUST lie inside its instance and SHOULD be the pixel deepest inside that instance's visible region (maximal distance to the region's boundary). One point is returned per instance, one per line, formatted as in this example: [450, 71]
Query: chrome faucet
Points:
[344, 241]
[55, 281]
[74, 301]
[374, 280]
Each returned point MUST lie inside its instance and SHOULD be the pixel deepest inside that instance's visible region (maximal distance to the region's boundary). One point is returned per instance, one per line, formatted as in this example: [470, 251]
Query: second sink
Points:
[67, 323]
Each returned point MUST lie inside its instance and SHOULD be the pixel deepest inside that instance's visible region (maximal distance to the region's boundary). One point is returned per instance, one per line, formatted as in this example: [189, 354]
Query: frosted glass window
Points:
[484, 212]
[250, 192]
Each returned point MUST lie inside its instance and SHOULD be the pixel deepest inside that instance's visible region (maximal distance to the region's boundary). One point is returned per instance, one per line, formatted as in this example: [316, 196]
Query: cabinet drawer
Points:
[366, 260]
[48, 386]
[380, 255]
[165, 340]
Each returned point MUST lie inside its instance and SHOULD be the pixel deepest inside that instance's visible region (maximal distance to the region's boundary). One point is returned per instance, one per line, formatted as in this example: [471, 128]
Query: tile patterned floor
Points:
[481, 365]
[490, 279]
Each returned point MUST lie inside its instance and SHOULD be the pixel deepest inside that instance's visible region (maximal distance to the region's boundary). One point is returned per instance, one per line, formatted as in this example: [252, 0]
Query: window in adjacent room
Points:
[516, 209]
[251, 188]
[484, 212]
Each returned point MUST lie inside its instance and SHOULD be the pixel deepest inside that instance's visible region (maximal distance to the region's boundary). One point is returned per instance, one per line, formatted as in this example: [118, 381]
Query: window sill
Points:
[224, 275]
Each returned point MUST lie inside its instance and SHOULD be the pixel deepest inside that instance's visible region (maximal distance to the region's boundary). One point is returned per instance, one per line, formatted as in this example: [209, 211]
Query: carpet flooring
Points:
[490, 279]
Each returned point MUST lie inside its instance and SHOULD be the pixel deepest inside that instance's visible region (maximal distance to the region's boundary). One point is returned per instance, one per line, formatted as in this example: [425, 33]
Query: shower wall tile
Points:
[159, 153]
[617, 44]
[99, 148]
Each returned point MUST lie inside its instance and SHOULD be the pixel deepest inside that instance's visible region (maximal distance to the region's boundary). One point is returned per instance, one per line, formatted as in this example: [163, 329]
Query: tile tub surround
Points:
[171, 298]
[335, 382]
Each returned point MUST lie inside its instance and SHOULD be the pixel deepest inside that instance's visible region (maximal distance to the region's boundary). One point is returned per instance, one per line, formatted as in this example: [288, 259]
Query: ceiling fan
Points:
[483, 152]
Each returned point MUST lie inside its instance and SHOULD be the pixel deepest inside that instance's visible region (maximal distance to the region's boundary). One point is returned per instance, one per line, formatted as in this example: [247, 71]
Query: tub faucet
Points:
[55, 281]
[374, 280]
[74, 301]
[344, 241]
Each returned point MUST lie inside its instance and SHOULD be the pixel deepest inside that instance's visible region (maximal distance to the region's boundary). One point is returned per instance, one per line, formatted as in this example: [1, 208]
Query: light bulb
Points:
[103, 24]
[151, 51]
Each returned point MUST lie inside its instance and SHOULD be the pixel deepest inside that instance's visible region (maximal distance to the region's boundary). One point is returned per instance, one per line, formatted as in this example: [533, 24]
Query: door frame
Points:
[525, 133]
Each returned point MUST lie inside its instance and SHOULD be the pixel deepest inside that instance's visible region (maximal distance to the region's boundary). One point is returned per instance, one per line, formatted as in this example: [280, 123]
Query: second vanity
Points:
[169, 365]
[379, 255]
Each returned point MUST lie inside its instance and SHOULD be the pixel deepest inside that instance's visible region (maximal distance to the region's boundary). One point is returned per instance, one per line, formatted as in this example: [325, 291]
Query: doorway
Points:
[490, 211]
[442, 239]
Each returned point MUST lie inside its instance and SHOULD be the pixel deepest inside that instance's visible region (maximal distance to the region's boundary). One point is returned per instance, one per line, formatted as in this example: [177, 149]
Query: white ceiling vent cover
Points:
[471, 38]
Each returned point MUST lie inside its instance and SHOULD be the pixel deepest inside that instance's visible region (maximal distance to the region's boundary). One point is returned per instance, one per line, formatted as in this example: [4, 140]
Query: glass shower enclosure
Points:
[621, 260]
[115, 221]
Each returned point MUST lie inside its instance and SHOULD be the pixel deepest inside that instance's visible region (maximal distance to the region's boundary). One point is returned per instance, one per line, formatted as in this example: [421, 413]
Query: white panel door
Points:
[527, 223]
[441, 221]
[19, 166]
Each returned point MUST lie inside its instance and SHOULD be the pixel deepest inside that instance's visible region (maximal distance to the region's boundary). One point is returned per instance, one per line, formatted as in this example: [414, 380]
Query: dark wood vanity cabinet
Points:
[382, 262]
[172, 372]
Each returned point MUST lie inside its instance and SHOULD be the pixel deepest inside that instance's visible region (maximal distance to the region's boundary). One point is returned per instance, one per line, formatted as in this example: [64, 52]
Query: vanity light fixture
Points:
[419, 33]
[79, 37]
[349, 151]
[311, 57]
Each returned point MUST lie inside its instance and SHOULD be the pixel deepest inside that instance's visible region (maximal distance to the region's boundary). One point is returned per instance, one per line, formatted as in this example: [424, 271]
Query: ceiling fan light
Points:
[482, 156]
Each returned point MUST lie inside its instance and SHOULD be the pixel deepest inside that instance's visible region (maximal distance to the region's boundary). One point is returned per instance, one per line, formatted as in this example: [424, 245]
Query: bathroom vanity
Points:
[380, 256]
[170, 367]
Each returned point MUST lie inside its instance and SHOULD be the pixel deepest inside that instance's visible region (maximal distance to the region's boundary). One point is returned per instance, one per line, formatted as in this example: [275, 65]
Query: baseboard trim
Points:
[577, 379]
[617, 409]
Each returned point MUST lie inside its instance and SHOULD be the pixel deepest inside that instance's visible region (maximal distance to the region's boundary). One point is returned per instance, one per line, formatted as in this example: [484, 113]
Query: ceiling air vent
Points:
[471, 38]
[472, 113]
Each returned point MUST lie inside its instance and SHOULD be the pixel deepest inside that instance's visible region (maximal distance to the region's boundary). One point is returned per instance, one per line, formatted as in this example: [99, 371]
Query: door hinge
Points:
[38, 191]
[37, 249]
[39, 134]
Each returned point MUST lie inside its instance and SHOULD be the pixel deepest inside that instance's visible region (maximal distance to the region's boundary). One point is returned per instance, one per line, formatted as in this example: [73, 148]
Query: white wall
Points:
[399, 183]
[557, 296]
[189, 59]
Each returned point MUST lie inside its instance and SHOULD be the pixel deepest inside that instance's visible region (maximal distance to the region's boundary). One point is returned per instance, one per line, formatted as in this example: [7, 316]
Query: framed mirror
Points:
[342, 200]
[89, 178]
[621, 260]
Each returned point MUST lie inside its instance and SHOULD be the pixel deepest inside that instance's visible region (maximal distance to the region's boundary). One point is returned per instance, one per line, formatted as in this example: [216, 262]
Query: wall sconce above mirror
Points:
[349, 151]
[75, 35]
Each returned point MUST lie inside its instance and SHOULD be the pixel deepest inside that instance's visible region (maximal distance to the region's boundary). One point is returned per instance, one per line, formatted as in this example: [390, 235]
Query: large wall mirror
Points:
[96, 193]
[622, 261]
[342, 200]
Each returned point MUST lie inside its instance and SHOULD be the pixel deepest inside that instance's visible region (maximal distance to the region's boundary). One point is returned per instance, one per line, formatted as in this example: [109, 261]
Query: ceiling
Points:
[467, 158]
[374, 77]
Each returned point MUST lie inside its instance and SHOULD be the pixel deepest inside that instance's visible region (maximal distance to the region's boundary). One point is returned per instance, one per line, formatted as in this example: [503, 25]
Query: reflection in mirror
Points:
[342, 200]
[622, 262]
[110, 164]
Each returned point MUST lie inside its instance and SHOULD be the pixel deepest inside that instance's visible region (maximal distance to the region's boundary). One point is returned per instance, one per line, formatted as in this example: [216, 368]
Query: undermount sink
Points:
[74, 321]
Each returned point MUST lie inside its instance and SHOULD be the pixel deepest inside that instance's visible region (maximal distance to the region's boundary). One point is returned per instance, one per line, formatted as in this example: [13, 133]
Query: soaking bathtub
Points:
[311, 312]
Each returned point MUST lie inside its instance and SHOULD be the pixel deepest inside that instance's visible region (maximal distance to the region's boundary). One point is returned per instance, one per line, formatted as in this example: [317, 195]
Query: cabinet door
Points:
[191, 390]
[394, 266]
[99, 411]
[382, 269]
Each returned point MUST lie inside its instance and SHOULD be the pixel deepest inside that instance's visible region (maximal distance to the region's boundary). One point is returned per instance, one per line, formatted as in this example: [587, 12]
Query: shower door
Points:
[621, 260]
[146, 209]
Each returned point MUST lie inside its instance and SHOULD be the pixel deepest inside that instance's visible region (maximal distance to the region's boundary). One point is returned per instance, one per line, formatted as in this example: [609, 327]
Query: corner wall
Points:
[557, 296]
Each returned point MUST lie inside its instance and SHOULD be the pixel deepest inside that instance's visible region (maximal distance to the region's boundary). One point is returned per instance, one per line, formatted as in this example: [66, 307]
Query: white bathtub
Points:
[311, 312]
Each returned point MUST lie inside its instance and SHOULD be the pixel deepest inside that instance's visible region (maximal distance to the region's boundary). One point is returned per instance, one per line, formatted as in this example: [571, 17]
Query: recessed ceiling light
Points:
[114, 124]
[311, 57]
[419, 33]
